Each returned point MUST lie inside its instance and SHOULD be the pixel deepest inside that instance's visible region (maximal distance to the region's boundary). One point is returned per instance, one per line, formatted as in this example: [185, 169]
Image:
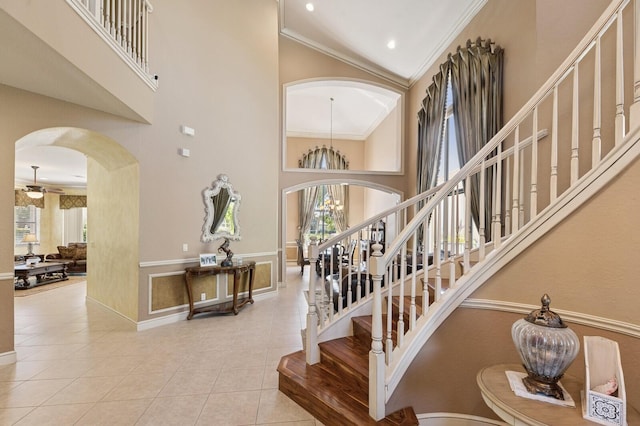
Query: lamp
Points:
[33, 193]
[30, 238]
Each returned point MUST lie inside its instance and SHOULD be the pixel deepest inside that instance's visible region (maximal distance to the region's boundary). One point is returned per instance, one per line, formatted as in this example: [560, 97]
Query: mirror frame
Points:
[221, 183]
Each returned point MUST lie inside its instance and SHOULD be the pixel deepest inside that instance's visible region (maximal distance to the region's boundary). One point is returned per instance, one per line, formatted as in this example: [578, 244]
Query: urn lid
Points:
[544, 316]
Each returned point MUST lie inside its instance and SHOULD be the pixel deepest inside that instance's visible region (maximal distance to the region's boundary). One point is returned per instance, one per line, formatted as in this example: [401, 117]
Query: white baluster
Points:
[507, 191]
[436, 254]
[468, 225]
[553, 184]
[515, 224]
[619, 123]
[403, 272]
[497, 205]
[575, 123]
[312, 350]
[534, 165]
[481, 205]
[634, 111]
[414, 273]
[596, 149]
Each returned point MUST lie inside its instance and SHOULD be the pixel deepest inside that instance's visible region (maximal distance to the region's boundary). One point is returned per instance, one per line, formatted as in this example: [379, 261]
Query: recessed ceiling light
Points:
[309, 7]
[391, 44]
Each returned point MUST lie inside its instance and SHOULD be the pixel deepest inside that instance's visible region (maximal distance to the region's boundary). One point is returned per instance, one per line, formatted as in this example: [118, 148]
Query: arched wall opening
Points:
[374, 198]
[113, 214]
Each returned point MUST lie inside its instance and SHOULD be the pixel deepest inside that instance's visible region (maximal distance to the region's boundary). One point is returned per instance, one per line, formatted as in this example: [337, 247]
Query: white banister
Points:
[124, 25]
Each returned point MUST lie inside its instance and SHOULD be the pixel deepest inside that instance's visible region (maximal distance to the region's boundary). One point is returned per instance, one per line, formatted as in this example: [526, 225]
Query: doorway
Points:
[113, 206]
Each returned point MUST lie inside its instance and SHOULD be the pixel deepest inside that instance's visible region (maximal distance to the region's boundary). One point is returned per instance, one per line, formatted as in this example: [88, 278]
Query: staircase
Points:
[356, 355]
[336, 390]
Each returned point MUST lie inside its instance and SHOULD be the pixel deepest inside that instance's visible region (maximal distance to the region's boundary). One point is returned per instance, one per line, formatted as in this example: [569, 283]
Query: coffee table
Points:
[45, 272]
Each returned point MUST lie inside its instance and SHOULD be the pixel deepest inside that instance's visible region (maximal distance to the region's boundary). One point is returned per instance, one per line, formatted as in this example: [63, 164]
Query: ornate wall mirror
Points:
[221, 205]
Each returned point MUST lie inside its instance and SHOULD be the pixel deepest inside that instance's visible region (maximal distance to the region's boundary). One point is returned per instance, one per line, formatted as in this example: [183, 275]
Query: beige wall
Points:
[227, 91]
[381, 153]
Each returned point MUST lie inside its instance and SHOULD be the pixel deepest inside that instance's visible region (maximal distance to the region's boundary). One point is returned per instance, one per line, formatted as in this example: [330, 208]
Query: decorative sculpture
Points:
[224, 247]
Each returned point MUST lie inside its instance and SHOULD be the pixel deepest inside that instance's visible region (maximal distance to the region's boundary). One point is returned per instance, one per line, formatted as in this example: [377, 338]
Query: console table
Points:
[45, 272]
[238, 271]
[516, 410]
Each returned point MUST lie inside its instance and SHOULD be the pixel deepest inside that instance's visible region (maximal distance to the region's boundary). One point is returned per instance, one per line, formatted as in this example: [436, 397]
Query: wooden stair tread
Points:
[350, 352]
[326, 397]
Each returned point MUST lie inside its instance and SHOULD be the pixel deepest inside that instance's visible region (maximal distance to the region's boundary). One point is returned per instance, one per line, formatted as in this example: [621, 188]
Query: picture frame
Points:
[207, 259]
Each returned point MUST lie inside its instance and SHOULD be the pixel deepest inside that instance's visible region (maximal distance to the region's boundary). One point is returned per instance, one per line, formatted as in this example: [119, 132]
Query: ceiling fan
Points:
[37, 191]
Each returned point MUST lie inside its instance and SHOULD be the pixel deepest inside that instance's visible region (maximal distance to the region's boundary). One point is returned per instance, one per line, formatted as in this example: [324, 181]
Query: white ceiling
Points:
[355, 31]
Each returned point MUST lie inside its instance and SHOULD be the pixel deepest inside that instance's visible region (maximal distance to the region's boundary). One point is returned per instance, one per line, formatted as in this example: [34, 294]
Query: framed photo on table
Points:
[207, 259]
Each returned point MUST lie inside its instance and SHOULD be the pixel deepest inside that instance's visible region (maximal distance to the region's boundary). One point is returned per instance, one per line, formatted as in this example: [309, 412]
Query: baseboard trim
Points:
[182, 316]
[615, 326]
[7, 358]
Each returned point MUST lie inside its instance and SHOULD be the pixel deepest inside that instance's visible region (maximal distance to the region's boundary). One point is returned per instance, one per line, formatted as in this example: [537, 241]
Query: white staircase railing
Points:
[526, 179]
[124, 25]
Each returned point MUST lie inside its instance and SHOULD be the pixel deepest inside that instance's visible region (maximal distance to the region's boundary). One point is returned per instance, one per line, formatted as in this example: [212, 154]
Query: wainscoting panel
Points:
[169, 291]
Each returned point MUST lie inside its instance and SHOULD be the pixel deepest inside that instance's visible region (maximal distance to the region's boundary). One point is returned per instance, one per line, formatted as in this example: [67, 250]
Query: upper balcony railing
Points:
[124, 24]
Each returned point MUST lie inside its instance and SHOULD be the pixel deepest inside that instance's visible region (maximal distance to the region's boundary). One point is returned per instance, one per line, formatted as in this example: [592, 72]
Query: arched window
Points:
[324, 209]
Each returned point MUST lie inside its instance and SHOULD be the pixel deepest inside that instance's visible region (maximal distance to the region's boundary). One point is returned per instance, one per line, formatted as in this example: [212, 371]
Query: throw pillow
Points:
[67, 252]
[81, 253]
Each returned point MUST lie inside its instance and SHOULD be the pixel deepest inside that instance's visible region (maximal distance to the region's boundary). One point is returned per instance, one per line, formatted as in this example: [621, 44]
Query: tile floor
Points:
[79, 364]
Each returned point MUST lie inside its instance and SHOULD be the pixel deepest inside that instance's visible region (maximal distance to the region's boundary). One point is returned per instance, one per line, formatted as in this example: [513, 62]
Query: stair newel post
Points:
[376, 355]
[312, 349]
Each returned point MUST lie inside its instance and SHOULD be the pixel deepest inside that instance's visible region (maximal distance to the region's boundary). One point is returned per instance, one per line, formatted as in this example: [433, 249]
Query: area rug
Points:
[52, 286]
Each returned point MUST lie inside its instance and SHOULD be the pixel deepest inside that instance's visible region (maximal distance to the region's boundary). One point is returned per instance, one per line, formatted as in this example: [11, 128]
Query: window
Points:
[449, 161]
[27, 221]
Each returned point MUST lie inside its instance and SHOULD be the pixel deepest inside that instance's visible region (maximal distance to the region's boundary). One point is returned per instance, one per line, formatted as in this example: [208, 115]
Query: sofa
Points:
[74, 255]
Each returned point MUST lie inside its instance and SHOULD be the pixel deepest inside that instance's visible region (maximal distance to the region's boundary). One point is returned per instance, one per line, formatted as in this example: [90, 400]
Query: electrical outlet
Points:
[185, 247]
[203, 296]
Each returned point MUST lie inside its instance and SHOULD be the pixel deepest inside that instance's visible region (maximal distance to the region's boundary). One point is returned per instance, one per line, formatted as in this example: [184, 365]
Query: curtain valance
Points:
[73, 201]
[23, 200]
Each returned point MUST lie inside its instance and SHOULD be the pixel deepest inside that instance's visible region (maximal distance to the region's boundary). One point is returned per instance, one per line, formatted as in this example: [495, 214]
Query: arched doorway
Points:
[113, 206]
[373, 207]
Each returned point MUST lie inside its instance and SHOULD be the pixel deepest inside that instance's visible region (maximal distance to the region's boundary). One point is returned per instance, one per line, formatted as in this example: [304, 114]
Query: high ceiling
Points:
[358, 31]
[355, 31]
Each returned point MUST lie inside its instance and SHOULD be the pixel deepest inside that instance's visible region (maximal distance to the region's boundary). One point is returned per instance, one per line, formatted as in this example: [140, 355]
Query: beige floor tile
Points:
[230, 409]
[114, 366]
[65, 369]
[239, 379]
[190, 383]
[276, 407]
[176, 410]
[55, 415]
[78, 362]
[114, 413]
[138, 386]
[32, 393]
[23, 370]
[84, 390]
[9, 416]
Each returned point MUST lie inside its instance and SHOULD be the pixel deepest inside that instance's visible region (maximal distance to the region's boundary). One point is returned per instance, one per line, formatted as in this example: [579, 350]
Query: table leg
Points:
[187, 280]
